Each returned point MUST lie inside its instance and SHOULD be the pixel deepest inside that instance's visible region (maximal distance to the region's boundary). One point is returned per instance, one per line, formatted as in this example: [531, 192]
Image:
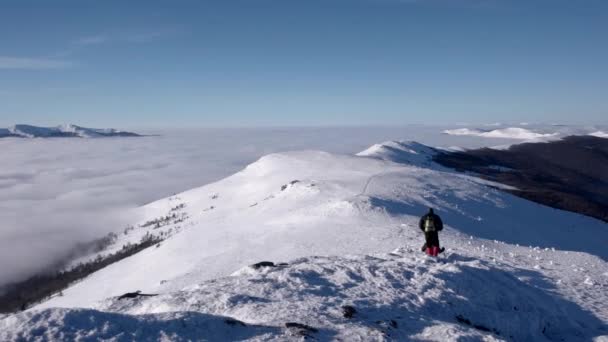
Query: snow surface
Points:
[514, 269]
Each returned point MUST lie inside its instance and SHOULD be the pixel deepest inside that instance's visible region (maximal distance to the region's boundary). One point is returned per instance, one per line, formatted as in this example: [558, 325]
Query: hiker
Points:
[431, 224]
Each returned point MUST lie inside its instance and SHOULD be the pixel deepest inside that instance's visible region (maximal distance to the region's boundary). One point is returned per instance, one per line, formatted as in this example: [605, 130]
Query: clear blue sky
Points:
[309, 62]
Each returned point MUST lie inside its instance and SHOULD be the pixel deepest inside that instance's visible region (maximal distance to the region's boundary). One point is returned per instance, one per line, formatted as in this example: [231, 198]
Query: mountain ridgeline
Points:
[568, 174]
[61, 131]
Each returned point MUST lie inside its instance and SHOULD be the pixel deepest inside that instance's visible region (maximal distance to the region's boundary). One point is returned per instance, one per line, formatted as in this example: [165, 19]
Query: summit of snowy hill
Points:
[68, 130]
[406, 152]
[504, 252]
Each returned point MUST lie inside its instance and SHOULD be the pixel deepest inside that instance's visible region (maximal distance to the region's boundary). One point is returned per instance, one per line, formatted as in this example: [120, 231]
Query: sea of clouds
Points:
[55, 193]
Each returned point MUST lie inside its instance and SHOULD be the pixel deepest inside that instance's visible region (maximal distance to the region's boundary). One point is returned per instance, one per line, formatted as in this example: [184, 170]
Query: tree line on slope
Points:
[21, 295]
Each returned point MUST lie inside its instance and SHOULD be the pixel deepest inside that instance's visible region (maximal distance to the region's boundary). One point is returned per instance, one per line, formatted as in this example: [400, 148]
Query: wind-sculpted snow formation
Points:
[513, 269]
[62, 131]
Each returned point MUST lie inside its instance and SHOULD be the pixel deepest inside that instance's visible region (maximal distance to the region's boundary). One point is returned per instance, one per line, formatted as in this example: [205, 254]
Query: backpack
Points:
[429, 224]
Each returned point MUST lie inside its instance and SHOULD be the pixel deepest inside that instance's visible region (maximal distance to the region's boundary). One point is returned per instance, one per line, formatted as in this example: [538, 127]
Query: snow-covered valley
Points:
[346, 228]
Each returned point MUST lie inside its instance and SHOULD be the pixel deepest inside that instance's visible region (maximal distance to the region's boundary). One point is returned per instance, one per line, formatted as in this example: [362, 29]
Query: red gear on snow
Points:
[432, 251]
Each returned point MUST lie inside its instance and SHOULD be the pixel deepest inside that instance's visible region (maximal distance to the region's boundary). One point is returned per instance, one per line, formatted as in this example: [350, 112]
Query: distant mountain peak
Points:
[61, 131]
[504, 133]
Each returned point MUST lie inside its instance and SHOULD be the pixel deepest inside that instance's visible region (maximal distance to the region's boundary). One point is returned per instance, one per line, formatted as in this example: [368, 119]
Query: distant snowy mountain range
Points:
[61, 131]
[507, 133]
[340, 240]
[535, 134]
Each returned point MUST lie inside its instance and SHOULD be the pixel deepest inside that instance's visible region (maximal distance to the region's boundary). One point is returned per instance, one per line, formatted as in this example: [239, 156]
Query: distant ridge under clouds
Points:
[507, 133]
[62, 131]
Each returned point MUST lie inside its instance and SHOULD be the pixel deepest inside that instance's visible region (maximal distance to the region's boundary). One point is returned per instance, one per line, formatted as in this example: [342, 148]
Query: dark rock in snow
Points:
[301, 329]
[468, 322]
[267, 264]
[232, 321]
[284, 187]
[263, 264]
[136, 294]
[348, 311]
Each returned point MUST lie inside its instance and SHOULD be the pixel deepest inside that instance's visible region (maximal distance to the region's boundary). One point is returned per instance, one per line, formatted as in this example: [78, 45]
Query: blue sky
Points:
[312, 62]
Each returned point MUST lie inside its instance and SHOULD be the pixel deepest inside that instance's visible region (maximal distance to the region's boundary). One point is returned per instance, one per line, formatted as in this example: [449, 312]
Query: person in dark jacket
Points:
[431, 224]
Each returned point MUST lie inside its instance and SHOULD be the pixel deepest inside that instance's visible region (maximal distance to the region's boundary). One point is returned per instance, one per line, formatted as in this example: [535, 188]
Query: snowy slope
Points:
[68, 130]
[399, 296]
[503, 252]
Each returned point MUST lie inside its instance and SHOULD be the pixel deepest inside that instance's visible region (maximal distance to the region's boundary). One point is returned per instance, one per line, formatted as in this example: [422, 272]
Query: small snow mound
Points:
[506, 133]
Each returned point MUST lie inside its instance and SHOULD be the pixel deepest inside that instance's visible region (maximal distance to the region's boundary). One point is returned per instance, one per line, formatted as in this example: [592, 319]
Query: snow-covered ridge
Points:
[68, 130]
[506, 133]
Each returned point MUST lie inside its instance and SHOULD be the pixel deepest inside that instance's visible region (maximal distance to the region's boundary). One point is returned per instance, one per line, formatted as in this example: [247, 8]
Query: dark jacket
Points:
[436, 218]
[432, 238]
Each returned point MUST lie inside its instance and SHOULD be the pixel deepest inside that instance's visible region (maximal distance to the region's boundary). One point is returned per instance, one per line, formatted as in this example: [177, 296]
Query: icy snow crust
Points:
[514, 270]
